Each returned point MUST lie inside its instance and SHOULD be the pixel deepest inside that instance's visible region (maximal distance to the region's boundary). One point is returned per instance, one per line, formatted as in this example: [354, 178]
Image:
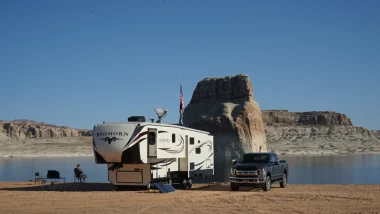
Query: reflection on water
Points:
[18, 169]
[340, 169]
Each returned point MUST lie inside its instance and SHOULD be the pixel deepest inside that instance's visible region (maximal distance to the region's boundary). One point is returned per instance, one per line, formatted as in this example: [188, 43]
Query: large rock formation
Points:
[21, 129]
[317, 132]
[226, 108]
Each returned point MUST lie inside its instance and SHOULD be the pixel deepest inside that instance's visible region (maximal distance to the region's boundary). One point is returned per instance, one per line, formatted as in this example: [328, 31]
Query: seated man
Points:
[79, 173]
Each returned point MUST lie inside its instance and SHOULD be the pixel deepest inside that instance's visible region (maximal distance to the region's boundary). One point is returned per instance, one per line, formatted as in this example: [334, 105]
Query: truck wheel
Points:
[234, 187]
[284, 181]
[267, 184]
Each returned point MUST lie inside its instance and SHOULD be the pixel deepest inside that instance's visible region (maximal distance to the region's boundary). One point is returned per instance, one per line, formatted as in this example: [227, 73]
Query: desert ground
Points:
[203, 198]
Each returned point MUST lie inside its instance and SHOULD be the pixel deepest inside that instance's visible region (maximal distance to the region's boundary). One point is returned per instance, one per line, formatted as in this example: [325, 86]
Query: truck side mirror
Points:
[233, 162]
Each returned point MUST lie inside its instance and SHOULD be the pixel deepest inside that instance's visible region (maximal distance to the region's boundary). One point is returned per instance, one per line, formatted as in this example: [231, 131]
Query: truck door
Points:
[276, 169]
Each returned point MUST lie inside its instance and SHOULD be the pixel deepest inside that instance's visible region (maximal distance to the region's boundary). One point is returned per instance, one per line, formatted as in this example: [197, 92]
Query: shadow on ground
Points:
[66, 187]
[226, 188]
[98, 187]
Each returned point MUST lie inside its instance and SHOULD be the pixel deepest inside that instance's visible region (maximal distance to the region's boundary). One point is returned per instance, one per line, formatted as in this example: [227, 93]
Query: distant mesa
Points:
[325, 118]
[22, 128]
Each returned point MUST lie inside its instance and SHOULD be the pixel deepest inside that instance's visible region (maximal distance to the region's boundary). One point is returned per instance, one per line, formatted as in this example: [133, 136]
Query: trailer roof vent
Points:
[136, 119]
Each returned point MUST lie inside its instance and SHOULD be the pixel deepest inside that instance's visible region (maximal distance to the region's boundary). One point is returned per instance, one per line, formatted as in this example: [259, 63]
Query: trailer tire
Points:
[189, 183]
[184, 184]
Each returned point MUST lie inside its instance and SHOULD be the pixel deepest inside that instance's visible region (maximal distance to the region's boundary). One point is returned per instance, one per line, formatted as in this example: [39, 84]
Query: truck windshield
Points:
[256, 158]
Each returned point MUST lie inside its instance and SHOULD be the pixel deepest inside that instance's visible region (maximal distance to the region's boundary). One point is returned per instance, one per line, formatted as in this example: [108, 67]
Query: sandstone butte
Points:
[226, 108]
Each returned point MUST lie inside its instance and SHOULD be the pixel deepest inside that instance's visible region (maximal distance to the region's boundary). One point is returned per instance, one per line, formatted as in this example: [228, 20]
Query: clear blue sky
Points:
[77, 63]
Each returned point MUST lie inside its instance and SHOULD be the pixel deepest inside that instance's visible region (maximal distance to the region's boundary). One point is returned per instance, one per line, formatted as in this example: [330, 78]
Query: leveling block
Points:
[164, 188]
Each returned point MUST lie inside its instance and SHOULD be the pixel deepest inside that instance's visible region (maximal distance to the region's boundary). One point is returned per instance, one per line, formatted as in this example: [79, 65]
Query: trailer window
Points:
[152, 138]
[192, 165]
[198, 150]
[173, 138]
[191, 141]
[199, 141]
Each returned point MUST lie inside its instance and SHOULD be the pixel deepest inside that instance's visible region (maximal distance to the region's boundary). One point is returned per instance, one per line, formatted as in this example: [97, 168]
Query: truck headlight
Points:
[264, 172]
[233, 171]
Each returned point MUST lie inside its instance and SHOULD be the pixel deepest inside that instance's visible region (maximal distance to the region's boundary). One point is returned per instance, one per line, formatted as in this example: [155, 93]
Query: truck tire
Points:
[234, 187]
[284, 181]
[267, 184]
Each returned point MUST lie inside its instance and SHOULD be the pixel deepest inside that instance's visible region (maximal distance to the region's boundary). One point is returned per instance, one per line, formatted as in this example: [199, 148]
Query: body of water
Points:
[333, 169]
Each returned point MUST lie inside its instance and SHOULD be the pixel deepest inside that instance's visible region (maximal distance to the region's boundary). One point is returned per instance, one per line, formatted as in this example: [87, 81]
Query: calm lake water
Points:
[338, 169]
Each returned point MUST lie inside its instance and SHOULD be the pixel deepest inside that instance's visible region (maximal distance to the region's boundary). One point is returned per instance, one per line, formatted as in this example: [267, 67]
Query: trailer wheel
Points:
[184, 184]
[189, 183]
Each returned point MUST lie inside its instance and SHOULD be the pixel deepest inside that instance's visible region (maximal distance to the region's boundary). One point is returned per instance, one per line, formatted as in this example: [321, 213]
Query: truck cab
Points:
[260, 169]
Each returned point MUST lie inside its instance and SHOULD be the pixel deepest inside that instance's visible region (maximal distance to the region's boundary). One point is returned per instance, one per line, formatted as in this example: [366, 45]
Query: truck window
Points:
[256, 158]
[275, 158]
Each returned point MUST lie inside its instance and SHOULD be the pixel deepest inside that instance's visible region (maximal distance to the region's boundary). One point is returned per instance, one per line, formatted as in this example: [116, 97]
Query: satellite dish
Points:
[160, 113]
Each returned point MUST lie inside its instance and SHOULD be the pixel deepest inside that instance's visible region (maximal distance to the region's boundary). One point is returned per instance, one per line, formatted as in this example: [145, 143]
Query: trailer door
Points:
[152, 142]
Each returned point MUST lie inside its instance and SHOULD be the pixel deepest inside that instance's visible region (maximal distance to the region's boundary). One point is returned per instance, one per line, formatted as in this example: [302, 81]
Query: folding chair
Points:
[76, 179]
[39, 178]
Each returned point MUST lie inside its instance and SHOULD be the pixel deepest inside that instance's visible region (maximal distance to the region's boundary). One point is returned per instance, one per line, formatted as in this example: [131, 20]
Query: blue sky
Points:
[78, 63]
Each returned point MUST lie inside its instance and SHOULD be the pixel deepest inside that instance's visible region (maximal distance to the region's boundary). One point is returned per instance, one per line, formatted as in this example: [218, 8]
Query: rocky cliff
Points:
[325, 118]
[21, 129]
[226, 108]
[316, 132]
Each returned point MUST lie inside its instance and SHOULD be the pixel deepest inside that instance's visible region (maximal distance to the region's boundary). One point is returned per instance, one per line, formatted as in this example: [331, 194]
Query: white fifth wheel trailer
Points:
[138, 152]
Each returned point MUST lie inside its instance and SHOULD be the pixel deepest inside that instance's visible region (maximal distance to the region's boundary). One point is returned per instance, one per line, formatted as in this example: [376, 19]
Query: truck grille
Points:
[249, 168]
[247, 173]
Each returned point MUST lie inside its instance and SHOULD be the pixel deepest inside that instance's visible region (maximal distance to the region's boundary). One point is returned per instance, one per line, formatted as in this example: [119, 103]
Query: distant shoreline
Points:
[52, 156]
[82, 147]
[44, 156]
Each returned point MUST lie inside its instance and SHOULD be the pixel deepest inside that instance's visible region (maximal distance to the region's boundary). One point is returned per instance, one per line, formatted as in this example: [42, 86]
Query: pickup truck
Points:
[259, 170]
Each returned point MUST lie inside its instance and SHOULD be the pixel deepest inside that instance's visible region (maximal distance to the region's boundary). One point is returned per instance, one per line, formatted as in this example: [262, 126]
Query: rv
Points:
[139, 153]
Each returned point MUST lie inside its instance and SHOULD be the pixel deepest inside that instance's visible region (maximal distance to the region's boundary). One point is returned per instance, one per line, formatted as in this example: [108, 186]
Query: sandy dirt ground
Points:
[99, 198]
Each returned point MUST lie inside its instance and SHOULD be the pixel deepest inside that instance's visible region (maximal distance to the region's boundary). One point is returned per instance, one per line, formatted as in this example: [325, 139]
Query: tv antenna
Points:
[160, 113]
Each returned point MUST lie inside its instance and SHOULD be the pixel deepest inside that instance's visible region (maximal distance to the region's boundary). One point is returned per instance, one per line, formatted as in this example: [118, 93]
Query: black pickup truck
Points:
[259, 170]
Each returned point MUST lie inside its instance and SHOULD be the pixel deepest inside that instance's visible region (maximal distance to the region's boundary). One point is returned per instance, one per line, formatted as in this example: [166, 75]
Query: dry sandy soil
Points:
[99, 198]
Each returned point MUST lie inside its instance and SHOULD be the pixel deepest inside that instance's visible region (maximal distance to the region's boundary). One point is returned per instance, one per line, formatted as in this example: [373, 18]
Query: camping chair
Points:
[54, 177]
[39, 178]
[78, 178]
